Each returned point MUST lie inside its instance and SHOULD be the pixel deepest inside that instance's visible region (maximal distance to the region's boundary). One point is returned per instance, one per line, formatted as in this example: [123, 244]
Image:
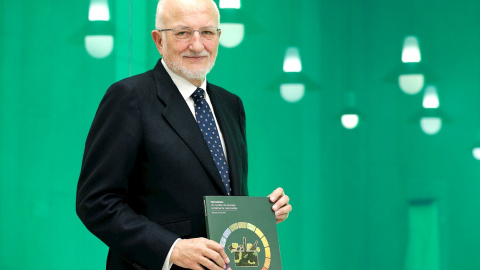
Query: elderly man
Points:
[162, 140]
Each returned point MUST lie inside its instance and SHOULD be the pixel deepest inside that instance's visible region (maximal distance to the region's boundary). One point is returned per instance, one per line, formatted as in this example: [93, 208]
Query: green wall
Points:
[382, 196]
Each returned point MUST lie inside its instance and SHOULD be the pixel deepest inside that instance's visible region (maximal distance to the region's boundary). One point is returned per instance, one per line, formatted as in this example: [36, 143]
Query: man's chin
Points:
[195, 73]
[194, 76]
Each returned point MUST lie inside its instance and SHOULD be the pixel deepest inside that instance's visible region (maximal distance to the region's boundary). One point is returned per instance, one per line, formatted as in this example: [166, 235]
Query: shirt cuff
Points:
[167, 265]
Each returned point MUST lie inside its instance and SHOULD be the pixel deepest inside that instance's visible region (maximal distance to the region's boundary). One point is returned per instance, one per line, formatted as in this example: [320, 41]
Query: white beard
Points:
[196, 74]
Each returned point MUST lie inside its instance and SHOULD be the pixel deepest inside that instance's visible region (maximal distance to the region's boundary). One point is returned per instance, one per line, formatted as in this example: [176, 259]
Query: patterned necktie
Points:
[207, 125]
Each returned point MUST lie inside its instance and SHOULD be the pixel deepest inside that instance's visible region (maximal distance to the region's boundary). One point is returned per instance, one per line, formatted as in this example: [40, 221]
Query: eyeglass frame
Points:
[193, 31]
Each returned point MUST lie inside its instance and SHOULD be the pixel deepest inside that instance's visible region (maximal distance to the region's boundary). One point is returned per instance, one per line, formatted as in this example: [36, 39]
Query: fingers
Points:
[281, 205]
[277, 193]
[279, 199]
[282, 214]
[197, 252]
[216, 255]
[221, 251]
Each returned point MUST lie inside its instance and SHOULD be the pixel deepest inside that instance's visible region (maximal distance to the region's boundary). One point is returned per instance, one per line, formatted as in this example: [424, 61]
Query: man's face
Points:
[194, 58]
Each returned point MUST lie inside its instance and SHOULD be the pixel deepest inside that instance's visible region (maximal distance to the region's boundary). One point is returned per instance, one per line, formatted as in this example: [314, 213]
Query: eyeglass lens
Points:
[187, 33]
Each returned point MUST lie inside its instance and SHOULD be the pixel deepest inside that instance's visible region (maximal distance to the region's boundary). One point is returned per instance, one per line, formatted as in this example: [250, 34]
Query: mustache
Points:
[195, 54]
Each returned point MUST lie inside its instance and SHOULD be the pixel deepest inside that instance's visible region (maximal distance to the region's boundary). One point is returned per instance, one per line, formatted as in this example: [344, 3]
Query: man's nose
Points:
[196, 43]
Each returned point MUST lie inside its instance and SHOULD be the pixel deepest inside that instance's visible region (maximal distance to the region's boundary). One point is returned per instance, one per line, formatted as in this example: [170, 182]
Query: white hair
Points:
[159, 16]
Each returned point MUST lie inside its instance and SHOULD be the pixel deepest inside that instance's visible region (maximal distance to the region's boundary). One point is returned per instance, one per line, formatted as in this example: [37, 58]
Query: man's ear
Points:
[157, 38]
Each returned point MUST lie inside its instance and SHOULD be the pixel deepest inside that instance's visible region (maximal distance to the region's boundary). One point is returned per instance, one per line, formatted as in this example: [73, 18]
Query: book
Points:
[246, 228]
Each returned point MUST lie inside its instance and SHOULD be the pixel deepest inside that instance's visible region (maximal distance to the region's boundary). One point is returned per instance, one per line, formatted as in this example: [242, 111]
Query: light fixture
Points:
[430, 97]
[99, 43]
[233, 32]
[235, 4]
[430, 125]
[292, 82]
[292, 92]
[431, 122]
[98, 11]
[476, 152]
[410, 77]
[411, 83]
[411, 50]
[350, 117]
[292, 61]
[99, 46]
[350, 120]
[292, 86]
[476, 147]
[411, 74]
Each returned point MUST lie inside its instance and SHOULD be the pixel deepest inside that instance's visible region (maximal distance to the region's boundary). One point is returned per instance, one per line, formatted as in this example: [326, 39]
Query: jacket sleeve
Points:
[111, 151]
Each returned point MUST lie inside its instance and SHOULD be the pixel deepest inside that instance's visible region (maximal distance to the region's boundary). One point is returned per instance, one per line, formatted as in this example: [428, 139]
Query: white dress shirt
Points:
[186, 88]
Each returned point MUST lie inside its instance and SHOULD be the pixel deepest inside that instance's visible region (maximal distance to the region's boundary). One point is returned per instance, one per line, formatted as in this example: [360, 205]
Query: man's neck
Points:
[197, 83]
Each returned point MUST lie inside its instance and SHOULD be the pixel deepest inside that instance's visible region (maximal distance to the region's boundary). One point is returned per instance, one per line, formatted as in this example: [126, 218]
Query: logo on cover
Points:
[246, 254]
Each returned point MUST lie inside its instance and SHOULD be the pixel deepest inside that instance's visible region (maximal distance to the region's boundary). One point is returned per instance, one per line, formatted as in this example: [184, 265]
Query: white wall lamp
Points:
[350, 116]
[411, 83]
[431, 118]
[293, 83]
[476, 147]
[292, 63]
[476, 152]
[411, 74]
[233, 32]
[431, 124]
[99, 40]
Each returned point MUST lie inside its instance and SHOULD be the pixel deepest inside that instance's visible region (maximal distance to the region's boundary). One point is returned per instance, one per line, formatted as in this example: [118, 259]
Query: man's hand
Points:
[281, 207]
[193, 253]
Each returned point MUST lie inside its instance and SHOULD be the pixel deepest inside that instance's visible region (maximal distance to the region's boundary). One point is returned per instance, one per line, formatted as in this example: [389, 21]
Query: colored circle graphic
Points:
[248, 226]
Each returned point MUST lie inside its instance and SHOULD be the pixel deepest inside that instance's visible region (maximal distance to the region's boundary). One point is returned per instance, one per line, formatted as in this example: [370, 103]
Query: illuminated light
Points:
[430, 98]
[99, 46]
[292, 92]
[350, 121]
[232, 34]
[230, 4]
[292, 62]
[476, 153]
[411, 83]
[431, 125]
[411, 50]
[98, 11]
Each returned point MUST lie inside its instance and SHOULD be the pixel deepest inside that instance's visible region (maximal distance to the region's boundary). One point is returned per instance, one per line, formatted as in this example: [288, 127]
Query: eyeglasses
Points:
[186, 33]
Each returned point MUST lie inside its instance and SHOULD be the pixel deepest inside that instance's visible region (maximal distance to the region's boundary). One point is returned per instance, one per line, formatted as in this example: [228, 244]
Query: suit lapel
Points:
[230, 136]
[182, 121]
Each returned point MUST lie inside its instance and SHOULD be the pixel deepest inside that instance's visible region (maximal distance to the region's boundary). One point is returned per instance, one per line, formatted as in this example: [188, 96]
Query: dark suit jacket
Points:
[146, 168]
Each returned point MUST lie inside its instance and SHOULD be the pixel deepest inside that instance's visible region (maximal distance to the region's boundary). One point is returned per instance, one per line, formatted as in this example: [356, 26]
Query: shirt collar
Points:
[185, 87]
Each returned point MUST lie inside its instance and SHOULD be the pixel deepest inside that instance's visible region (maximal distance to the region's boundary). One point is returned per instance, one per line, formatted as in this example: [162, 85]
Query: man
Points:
[147, 163]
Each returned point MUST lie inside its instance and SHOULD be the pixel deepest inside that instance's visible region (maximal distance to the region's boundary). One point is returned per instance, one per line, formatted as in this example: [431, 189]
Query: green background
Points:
[382, 196]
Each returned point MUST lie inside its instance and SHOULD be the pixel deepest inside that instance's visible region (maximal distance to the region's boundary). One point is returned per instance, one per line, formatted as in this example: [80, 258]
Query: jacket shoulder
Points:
[137, 81]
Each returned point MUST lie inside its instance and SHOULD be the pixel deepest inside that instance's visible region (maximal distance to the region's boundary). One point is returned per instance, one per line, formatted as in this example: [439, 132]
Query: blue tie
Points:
[207, 125]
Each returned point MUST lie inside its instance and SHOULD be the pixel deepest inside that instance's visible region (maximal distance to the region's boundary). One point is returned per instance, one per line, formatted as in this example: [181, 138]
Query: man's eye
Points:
[182, 33]
[207, 33]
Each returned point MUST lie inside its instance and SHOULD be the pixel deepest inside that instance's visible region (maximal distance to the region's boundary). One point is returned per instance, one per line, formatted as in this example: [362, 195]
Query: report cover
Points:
[246, 228]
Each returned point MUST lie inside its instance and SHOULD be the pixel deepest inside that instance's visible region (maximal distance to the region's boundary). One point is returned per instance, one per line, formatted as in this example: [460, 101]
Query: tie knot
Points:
[198, 94]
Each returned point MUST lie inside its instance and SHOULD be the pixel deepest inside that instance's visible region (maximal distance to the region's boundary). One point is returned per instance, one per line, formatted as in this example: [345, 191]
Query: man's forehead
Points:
[186, 7]
[177, 10]
[187, 19]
